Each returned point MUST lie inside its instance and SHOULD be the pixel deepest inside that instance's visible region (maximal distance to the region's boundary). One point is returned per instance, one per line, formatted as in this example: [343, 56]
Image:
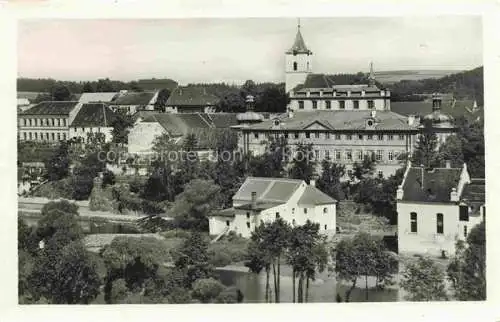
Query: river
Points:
[324, 289]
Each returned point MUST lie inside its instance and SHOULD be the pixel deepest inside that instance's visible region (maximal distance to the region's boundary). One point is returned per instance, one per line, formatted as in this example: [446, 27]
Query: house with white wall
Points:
[266, 199]
[93, 118]
[436, 208]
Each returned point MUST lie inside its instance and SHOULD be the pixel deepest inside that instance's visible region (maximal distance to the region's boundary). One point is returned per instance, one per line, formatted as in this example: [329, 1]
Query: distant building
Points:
[441, 123]
[47, 121]
[191, 99]
[266, 199]
[131, 102]
[93, 118]
[436, 208]
[98, 97]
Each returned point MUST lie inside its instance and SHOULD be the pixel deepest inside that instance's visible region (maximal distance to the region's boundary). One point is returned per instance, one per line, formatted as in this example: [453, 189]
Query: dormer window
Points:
[370, 123]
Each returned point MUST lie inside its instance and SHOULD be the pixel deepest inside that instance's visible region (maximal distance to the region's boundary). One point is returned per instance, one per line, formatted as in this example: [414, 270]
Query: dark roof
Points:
[191, 96]
[222, 120]
[94, 115]
[327, 84]
[313, 196]
[422, 185]
[299, 46]
[337, 120]
[51, 108]
[260, 205]
[475, 191]
[274, 190]
[229, 212]
[134, 98]
[179, 123]
[449, 107]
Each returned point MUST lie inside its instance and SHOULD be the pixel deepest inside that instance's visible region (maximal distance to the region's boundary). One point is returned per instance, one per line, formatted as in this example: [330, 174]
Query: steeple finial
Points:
[371, 77]
[298, 23]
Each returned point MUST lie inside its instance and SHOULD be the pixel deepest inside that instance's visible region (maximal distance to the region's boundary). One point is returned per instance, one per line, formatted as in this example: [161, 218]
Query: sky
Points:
[234, 50]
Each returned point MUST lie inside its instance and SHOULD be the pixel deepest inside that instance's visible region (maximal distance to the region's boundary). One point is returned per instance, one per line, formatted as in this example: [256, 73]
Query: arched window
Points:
[413, 222]
[439, 223]
[325, 210]
[307, 65]
[294, 65]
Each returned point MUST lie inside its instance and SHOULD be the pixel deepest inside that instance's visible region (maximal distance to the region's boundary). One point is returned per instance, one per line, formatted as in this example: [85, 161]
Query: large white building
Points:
[266, 199]
[436, 208]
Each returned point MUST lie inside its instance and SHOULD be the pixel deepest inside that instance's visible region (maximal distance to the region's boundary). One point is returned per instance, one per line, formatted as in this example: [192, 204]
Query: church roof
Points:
[299, 46]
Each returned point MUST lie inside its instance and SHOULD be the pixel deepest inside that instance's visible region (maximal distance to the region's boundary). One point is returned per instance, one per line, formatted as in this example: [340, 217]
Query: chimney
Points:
[399, 192]
[411, 120]
[448, 164]
[254, 199]
[454, 195]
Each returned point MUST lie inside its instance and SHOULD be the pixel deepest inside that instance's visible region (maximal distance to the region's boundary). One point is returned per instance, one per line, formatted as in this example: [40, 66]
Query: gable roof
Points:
[178, 124]
[51, 108]
[97, 97]
[222, 120]
[313, 196]
[299, 46]
[337, 120]
[327, 84]
[94, 115]
[421, 185]
[191, 96]
[134, 98]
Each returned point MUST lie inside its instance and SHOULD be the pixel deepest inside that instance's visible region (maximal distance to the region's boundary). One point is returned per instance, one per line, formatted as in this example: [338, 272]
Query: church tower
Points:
[298, 60]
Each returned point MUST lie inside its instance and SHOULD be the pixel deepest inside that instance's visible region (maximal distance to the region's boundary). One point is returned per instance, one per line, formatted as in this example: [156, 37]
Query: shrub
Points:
[207, 289]
[176, 233]
[119, 290]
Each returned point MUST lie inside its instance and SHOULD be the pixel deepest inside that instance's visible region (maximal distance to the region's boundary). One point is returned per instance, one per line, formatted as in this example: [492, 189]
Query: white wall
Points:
[82, 132]
[426, 240]
[294, 78]
[142, 135]
[380, 104]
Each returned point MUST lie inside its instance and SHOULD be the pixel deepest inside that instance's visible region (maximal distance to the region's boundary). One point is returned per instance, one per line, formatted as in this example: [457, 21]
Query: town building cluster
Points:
[343, 123]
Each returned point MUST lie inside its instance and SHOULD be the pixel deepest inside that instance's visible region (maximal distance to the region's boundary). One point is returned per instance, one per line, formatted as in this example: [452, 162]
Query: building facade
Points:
[47, 121]
[191, 99]
[93, 118]
[266, 199]
[436, 208]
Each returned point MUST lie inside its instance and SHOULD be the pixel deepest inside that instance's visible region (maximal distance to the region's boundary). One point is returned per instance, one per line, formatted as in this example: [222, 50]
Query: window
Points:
[401, 137]
[294, 65]
[463, 213]
[380, 174]
[381, 137]
[355, 105]
[325, 226]
[256, 135]
[337, 155]
[413, 222]
[305, 210]
[439, 222]
[58, 136]
[308, 135]
[315, 104]
[301, 105]
[348, 155]
[465, 231]
[248, 215]
[316, 135]
[390, 137]
[342, 105]
[328, 105]
[369, 137]
[316, 154]
[327, 135]
[64, 136]
[293, 222]
[338, 136]
[379, 155]
[359, 155]
[390, 156]
[227, 223]
[53, 136]
[360, 136]
[248, 224]
[293, 211]
[371, 104]
[296, 135]
[348, 137]
[327, 154]
[325, 210]
[286, 135]
[65, 122]
[24, 135]
[277, 215]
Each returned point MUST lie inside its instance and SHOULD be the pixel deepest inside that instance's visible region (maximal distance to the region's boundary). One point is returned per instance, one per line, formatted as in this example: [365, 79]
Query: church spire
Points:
[299, 46]
[371, 77]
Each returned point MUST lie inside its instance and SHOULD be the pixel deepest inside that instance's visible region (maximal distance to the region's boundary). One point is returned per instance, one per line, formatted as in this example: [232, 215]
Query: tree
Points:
[363, 256]
[192, 259]
[60, 93]
[207, 289]
[451, 151]
[272, 163]
[424, 281]
[58, 165]
[329, 181]
[104, 85]
[365, 169]
[259, 256]
[425, 152]
[192, 207]
[467, 270]
[121, 126]
[161, 101]
[303, 163]
[87, 88]
[273, 99]
[161, 184]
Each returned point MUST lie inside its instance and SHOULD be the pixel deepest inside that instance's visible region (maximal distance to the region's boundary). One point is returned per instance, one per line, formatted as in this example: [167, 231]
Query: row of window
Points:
[357, 155]
[43, 136]
[44, 122]
[439, 223]
[341, 105]
[328, 136]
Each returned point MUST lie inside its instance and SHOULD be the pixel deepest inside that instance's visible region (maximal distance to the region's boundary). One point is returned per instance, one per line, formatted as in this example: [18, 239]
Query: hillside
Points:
[390, 77]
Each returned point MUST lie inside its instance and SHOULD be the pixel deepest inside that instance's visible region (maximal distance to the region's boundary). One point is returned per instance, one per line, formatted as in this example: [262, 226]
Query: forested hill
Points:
[463, 85]
[101, 85]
